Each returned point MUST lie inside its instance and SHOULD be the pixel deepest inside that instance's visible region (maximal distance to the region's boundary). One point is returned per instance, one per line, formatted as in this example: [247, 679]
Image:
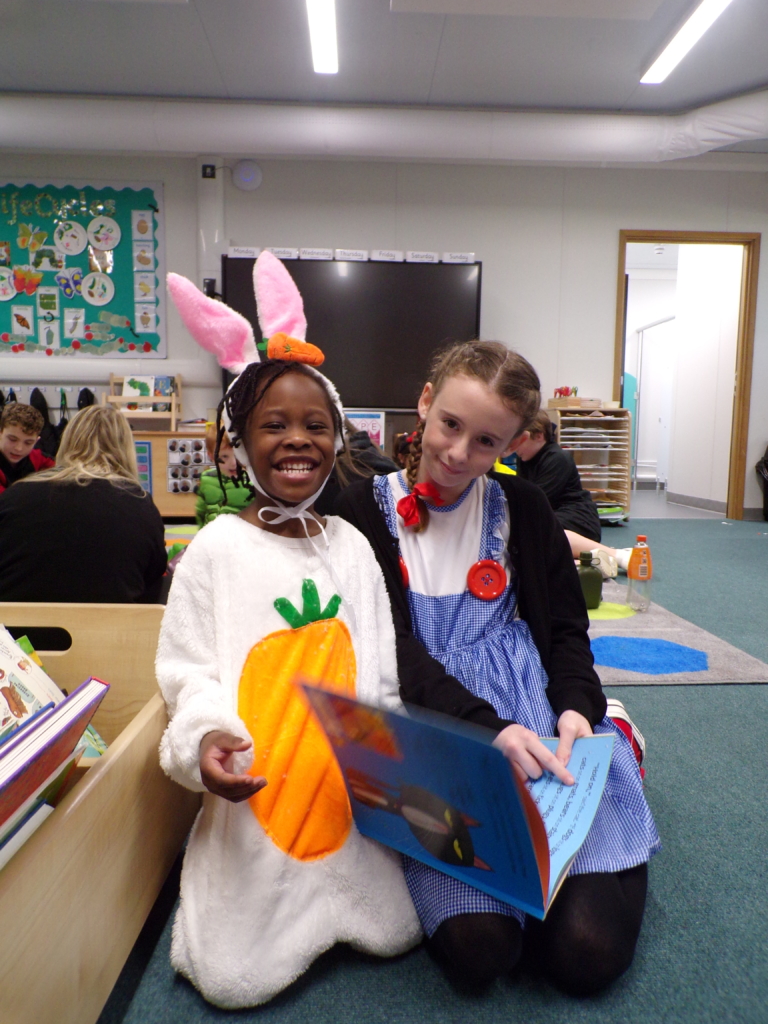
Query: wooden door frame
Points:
[745, 342]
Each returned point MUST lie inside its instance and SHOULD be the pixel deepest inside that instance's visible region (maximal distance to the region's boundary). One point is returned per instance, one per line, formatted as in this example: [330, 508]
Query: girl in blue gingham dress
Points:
[491, 651]
[491, 627]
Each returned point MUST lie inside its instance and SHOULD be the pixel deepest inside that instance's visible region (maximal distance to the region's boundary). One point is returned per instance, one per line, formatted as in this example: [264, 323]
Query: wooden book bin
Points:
[74, 898]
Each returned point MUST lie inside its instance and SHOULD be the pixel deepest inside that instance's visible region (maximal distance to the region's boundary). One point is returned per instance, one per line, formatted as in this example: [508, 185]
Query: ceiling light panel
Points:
[322, 36]
[702, 19]
[632, 10]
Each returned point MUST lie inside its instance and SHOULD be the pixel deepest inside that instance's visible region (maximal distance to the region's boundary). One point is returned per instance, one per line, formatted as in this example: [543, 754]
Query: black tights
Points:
[587, 940]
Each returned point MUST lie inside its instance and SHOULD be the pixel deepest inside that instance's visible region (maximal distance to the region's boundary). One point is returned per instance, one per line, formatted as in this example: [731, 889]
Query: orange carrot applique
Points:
[304, 809]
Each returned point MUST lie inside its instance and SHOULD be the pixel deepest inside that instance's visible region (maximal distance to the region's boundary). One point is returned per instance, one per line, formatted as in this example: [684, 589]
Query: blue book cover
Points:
[437, 790]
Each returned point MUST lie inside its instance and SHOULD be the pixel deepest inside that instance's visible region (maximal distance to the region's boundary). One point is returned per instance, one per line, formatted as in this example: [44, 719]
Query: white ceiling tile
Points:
[259, 50]
[633, 10]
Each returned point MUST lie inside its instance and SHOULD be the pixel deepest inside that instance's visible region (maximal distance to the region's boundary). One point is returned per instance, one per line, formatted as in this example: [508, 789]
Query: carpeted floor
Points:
[703, 952]
[712, 572]
[660, 648]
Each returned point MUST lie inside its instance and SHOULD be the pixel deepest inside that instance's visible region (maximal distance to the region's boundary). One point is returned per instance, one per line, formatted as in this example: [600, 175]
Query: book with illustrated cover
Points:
[25, 689]
[49, 791]
[92, 744]
[164, 386]
[31, 759]
[139, 387]
[437, 789]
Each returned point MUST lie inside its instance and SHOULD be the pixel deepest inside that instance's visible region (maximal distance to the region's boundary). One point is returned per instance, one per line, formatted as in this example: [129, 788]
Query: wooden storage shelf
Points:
[121, 401]
[600, 446]
[76, 895]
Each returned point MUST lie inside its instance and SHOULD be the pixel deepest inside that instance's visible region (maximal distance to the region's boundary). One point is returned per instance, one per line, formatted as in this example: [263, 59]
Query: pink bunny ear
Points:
[214, 326]
[278, 300]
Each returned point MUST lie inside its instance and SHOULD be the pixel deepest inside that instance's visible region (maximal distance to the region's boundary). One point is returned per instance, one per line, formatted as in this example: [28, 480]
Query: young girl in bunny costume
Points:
[275, 871]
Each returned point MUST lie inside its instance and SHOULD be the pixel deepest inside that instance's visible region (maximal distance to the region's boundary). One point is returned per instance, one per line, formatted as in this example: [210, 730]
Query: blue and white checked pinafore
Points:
[493, 654]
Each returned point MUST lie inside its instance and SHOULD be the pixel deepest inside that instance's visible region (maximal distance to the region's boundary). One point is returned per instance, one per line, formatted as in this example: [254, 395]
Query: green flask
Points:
[591, 579]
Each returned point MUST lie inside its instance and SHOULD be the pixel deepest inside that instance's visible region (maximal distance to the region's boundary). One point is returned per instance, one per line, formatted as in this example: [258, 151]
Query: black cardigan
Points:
[554, 471]
[549, 598]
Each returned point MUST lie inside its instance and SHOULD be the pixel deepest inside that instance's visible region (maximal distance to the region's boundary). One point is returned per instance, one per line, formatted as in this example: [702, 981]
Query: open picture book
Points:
[437, 789]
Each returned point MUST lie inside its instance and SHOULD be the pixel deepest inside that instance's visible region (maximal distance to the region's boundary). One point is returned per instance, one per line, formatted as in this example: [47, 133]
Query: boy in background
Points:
[20, 427]
[211, 500]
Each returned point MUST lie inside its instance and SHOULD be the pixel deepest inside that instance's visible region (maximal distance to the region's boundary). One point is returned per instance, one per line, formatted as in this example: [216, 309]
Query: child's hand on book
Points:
[528, 755]
[216, 750]
[570, 726]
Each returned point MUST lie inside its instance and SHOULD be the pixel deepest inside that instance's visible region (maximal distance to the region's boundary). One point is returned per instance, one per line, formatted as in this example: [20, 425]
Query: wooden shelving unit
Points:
[145, 411]
[600, 446]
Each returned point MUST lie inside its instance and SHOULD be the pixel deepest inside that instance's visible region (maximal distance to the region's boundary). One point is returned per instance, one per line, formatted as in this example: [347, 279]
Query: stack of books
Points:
[42, 738]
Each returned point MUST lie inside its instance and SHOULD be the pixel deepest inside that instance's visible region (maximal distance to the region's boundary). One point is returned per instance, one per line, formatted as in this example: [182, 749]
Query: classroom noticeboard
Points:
[80, 270]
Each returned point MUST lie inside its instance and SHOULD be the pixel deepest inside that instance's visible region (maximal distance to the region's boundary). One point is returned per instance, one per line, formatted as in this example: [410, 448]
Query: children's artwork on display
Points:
[187, 461]
[144, 464]
[86, 262]
[372, 422]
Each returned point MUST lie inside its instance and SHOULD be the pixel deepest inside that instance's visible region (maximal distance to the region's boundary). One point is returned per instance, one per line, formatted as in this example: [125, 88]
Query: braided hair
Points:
[245, 394]
[505, 372]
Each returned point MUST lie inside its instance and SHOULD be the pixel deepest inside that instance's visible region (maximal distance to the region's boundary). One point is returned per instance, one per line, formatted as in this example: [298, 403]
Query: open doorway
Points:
[685, 329]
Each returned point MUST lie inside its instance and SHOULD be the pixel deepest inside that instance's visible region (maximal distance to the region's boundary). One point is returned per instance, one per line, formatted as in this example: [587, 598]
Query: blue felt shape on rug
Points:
[651, 657]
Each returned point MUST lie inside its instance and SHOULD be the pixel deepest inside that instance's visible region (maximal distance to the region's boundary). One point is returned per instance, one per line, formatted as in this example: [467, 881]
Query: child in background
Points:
[219, 492]
[20, 427]
[275, 871]
[491, 626]
[543, 462]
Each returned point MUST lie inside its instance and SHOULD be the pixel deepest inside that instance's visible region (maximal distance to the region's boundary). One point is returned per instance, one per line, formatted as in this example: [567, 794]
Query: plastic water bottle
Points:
[591, 579]
[640, 573]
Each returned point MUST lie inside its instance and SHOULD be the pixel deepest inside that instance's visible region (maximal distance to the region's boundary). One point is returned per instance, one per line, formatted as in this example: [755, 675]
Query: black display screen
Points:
[377, 323]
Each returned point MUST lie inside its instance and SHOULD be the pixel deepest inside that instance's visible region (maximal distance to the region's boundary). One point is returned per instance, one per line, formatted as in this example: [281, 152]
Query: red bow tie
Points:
[408, 507]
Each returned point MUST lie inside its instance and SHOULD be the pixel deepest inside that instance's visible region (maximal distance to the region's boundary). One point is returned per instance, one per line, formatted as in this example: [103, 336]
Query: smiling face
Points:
[16, 443]
[290, 438]
[467, 426]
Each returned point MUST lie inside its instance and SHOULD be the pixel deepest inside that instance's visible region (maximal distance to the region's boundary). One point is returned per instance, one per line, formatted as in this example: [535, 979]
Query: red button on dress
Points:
[487, 580]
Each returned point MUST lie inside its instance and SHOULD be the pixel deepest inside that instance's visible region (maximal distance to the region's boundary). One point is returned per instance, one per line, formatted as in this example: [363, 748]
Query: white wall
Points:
[708, 280]
[654, 417]
[547, 236]
[200, 375]
[650, 297]
[548, 239]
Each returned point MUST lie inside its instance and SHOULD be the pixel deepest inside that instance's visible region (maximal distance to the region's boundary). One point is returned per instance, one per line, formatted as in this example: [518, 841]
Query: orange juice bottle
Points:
[640, 572]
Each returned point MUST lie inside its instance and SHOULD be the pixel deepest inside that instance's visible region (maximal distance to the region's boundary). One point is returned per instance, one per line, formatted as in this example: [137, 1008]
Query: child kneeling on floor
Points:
[492, 628]
[275, 870]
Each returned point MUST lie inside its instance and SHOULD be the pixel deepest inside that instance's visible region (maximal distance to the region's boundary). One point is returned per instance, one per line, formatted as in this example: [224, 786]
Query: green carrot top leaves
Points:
[311, 611]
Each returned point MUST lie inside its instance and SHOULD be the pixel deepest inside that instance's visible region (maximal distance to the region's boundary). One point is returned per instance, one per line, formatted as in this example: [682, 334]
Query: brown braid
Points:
[411, 472]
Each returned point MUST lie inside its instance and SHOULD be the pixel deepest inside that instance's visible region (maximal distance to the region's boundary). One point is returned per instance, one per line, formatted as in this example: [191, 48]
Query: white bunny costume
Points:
[270, 883]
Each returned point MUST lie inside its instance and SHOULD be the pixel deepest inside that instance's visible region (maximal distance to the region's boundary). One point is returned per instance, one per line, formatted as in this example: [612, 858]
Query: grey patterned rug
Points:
[657, 647]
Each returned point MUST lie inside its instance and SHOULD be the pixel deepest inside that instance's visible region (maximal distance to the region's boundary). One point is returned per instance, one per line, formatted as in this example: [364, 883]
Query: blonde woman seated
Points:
[84, 530]
[543, 462]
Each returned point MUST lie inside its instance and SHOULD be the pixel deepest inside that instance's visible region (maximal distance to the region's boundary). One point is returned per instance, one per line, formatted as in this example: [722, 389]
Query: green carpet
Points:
[701, 657]
[702, 956]
[713, 573]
